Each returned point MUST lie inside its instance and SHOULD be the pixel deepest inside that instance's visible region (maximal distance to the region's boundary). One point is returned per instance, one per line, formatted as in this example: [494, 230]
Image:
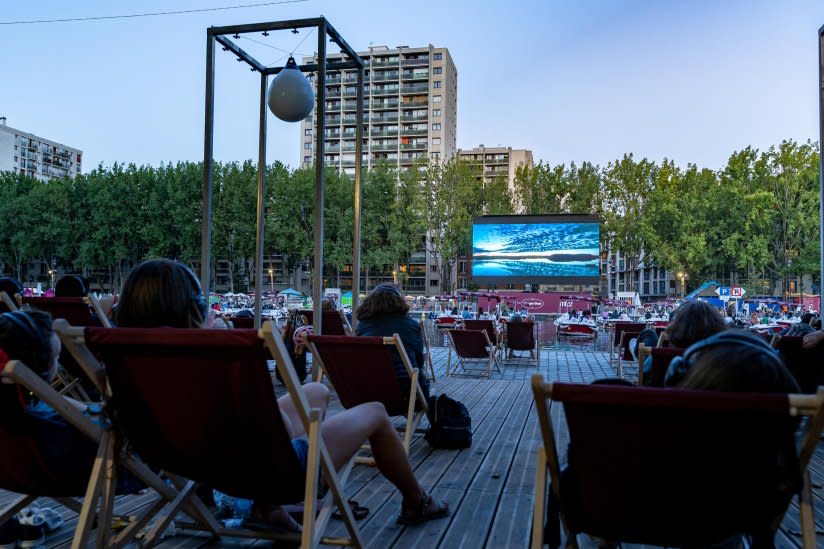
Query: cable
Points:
[151, 14]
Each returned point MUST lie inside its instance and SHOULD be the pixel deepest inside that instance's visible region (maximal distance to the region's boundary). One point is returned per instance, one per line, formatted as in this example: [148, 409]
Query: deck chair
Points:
[522, 336]
[77, 311]
[7, 303]
[200, 405]
[624, 352]
[806, 365]
[242, 322]
[23, 470]
[674, 496]
[362, 369]
[661, 358]
[332, 322]
[615, 341]
[489, 327]
[426, 361]
[471, 346]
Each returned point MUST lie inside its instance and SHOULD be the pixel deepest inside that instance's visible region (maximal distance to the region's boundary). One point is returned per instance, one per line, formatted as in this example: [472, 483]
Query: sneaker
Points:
[31, 532]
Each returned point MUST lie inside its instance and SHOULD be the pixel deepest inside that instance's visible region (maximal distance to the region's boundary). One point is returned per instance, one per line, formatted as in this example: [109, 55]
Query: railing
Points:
[415, 88]
[385, 90]
[383, 62]
[384, 119]
[414, 118]
[409, 104]
[414, 132]
[384, 147]
[383, 132]
[385, 104]
[413, 146]
[385, 77]
[419, 61]
[416, 76]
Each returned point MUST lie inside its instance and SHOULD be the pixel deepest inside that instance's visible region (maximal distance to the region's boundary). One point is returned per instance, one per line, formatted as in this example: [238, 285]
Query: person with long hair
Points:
[384, 312]
[163, 292]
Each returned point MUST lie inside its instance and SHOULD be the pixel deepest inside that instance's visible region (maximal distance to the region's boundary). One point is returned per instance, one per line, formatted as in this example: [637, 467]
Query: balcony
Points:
[411, 75]
[415, 88]
[384, 90]
[385, 76]
[353, 105]
[413, 62]
[332, 80]
[422, 145]
[351, 92]
[332, 120]
[384, 62]
[415, 103]
[414, 118]
[393, 132]
[390, 104]
[411, 133]
[384, 147]
[384, 119]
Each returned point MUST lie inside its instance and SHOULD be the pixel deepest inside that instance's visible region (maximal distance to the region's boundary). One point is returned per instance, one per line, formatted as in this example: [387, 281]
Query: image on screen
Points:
[536, 250]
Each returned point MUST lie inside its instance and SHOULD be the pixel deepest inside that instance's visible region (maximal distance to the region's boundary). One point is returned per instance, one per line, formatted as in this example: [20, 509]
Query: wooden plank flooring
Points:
[488, 486]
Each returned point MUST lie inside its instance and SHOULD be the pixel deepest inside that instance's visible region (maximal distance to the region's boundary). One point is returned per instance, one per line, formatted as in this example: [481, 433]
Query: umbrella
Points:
[290, 292]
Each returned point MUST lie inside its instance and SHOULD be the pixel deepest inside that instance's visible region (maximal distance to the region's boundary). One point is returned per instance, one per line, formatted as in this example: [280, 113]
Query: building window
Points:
[437, 70]
[307, 146]
[433, 283]
[436, 141]
[307, 159]
[437, 56]
[436, 155]
[436, 112]
[436, 127]
[307, 131]
[436, 98]
[436, 84]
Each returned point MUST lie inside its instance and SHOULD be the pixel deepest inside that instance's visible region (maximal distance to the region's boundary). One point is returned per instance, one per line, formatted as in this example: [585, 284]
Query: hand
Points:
[813, 340]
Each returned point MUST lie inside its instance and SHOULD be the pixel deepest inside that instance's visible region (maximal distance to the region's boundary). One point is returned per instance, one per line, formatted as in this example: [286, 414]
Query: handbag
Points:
[450, 426]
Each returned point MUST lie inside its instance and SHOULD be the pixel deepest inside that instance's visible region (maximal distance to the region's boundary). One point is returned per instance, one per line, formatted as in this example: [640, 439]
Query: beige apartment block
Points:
[497, 161]
[34, 156]
[410, 109]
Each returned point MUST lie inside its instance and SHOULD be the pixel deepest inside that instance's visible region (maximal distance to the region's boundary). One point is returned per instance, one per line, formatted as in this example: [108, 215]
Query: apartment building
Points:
[410, 109]
[497, 162]
[35, 156]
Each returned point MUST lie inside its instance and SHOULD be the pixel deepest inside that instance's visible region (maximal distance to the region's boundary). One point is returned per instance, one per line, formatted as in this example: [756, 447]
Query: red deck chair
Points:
[617, 341]
[672, 467]
[806, 365]
[77, 311]
[23, 470]
[332, 322]
[661, 358]
[489, 327]
[200, 404]
[522, 336]
[242, 322]
[471, 346]
[362, 369]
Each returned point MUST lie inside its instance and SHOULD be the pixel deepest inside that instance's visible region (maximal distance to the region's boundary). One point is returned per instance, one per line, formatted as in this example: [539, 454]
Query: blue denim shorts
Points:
[301, 447]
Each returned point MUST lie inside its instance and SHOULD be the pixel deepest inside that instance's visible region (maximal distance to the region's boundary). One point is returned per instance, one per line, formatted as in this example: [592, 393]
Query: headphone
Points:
[24, 322]
[199, 301]
[680, 365]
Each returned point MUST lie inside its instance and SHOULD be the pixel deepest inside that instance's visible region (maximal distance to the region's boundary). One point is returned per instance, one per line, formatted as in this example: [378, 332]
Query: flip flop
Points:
[358, 512]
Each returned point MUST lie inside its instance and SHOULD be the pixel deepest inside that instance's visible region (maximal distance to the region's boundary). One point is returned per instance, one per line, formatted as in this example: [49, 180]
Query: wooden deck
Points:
[488, 486]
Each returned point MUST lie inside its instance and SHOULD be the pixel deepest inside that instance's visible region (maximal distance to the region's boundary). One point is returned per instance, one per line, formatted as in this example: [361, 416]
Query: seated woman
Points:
[384, 312]
[71, 286]
[162, 292]
[27, 336]
[691, 322]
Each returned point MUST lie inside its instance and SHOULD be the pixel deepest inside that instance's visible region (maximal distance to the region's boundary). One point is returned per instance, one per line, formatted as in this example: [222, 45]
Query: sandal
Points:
[427, 509]
[358, 512]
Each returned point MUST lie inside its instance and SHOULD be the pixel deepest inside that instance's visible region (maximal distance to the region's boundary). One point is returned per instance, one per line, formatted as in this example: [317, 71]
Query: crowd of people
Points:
[166, 293]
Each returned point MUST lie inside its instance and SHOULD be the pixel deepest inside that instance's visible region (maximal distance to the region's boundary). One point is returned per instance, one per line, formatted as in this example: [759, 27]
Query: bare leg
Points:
[344, 433]
[318, 396]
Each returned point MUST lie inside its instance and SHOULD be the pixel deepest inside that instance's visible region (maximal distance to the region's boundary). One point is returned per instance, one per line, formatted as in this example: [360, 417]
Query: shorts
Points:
[301, 447]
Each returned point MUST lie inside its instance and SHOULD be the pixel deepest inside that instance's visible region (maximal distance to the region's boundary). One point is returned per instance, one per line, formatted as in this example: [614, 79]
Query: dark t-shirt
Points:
[410, 334]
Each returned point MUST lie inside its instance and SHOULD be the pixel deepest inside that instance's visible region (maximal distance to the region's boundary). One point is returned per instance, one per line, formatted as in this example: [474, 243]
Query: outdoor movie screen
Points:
[548, 249]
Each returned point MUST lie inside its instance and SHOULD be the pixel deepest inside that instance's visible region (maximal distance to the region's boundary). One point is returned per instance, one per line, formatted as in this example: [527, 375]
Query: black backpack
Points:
[450, 424]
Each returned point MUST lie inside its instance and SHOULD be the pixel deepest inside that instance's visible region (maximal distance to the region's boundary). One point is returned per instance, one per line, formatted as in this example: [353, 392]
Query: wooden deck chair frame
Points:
[490, 358]
[643, 353]
[415, 396]
[615, 341]
[184, 498]
[488, 325]
[505, 350]
[811, 406]
[99, 496]
[9, 301]
[427, 351]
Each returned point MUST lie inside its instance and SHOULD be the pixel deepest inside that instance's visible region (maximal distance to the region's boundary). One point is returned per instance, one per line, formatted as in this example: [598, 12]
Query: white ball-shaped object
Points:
[290, 94]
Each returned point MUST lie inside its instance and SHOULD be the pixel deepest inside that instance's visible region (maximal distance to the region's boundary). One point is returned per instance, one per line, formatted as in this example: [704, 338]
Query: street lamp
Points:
[51, 275]
[683, 277]
[271, 280]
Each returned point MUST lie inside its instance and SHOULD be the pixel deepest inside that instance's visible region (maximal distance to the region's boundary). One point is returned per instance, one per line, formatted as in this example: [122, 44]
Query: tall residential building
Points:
[498, 161]
[410, 109]
[38, 157]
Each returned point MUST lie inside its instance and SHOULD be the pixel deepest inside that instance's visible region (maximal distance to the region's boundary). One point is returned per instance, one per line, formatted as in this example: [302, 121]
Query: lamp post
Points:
[51, 276]
[683, 277]
[271, 281]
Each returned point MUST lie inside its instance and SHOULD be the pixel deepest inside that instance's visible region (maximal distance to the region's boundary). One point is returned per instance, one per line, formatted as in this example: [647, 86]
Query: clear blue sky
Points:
[574, 80]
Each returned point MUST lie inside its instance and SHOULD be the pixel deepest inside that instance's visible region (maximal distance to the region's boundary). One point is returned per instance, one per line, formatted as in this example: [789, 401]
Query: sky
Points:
[586, 80]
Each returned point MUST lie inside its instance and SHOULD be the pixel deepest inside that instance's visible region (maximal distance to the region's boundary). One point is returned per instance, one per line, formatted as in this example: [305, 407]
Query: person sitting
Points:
[163, 292]
[691, 322]
[71, 286]
[13, 289]
[467, 314]
[385, 312]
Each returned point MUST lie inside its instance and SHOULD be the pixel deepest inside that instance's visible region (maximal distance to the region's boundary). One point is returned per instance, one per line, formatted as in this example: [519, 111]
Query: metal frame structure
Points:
[223, 36]
[821, 169]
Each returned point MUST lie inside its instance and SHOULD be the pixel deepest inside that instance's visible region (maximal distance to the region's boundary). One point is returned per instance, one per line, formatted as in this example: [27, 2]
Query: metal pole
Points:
[208, 161]
[356, 259]
[261, 205]
[821, 170]
[320, 128]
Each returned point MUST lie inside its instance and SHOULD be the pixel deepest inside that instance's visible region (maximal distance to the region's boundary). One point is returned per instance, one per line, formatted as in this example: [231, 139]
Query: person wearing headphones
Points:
[162, 292]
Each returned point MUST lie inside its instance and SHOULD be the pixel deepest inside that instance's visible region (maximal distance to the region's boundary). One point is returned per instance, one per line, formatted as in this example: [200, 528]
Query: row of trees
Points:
[756, 218]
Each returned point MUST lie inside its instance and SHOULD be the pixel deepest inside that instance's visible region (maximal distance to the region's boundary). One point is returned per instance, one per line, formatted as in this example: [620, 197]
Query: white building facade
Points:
[34, 156]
